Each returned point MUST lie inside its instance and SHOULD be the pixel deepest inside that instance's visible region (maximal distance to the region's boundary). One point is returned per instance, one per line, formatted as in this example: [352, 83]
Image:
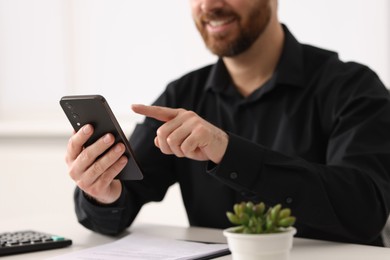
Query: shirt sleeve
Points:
[335, 199]
[108, 219]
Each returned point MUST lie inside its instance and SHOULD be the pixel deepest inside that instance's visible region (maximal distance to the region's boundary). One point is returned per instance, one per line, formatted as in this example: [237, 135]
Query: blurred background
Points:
[127, 51]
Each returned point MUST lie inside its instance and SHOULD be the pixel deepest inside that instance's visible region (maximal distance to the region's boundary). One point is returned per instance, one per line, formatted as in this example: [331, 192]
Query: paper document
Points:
[141, 246]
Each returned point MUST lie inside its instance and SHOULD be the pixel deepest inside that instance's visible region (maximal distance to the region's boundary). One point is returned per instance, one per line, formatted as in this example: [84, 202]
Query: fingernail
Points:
[123, 160]
[107, 139]
[87, 129]
[118, 149]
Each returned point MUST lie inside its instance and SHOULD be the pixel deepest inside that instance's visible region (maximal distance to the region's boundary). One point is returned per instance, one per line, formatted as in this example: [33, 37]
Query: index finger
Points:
[160, 113]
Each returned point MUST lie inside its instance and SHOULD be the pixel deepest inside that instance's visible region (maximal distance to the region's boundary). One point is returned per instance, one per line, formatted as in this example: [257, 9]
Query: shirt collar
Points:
[289, 70]
[219, 78]
[290, 66]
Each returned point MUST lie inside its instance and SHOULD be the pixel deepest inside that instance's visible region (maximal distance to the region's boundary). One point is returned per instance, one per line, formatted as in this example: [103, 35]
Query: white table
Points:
[303, 249]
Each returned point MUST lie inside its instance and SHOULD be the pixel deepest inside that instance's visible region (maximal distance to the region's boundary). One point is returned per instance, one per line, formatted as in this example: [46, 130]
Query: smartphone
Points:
[94, 110]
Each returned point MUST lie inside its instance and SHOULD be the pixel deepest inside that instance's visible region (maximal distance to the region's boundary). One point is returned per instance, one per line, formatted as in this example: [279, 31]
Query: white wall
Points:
[359, 30]
[128, 52]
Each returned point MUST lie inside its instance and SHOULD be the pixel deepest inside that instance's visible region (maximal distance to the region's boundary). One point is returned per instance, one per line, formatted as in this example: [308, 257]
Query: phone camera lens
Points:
[75, 116]
[69, 106]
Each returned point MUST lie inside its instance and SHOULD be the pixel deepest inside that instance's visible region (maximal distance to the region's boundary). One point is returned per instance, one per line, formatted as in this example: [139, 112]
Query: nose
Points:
[208, 5]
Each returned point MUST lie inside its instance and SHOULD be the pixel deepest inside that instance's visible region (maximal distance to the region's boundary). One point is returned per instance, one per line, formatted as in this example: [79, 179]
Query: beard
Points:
[234, 42]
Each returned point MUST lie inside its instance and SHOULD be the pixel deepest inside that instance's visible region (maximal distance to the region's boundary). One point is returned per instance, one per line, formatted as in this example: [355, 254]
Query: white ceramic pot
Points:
[275, 246]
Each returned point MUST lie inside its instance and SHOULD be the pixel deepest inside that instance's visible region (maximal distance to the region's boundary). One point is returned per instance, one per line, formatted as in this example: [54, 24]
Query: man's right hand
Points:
[96, 176]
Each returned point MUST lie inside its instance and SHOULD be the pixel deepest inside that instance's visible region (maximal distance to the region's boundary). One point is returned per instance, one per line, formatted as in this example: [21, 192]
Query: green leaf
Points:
[284, 213]
[233, 218]
[244, 219]
[259, 209]
[275, 212]
[237, 209]
[287, 222]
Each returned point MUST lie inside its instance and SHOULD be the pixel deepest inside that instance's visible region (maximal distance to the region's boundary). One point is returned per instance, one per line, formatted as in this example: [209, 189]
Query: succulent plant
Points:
[253, 218]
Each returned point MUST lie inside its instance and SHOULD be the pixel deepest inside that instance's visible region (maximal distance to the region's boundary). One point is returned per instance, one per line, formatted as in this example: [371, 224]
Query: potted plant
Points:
[260, 233]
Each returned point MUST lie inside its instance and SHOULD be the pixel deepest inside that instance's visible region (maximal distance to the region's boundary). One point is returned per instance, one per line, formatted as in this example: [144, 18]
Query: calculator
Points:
[28, 241]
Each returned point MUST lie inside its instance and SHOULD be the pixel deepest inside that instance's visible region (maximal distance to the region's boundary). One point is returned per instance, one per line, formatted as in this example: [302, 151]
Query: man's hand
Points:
[96, 177]
[185, 134]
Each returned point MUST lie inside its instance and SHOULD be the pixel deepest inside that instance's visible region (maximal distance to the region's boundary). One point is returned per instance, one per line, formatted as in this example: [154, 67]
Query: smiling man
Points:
[272, 120]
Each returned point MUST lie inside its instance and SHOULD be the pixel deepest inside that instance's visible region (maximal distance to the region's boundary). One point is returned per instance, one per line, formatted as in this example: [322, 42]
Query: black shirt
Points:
[315, 138]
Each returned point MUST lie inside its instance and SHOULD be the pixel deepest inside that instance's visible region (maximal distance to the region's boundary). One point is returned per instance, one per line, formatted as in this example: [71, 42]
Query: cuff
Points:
[241, 165]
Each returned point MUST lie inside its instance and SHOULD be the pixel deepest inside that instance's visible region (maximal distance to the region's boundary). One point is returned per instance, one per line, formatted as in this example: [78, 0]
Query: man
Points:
[273, 120]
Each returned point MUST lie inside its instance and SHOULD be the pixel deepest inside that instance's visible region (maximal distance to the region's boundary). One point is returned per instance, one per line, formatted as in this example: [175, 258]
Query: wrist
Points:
[223, 140]
[114, 195]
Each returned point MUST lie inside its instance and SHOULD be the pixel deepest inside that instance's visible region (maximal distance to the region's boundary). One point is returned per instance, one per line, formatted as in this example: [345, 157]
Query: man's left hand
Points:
[186, 134]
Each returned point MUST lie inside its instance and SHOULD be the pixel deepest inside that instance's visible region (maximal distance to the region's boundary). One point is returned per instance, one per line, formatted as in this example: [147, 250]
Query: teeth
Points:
[218, 23]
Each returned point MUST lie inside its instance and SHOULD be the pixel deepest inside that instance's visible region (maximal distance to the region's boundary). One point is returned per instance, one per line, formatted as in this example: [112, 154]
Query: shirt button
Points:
[289, 200]
[233, 175]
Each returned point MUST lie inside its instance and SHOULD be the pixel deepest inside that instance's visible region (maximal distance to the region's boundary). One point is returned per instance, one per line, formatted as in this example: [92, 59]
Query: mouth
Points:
[219, 25]
[221, 22]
